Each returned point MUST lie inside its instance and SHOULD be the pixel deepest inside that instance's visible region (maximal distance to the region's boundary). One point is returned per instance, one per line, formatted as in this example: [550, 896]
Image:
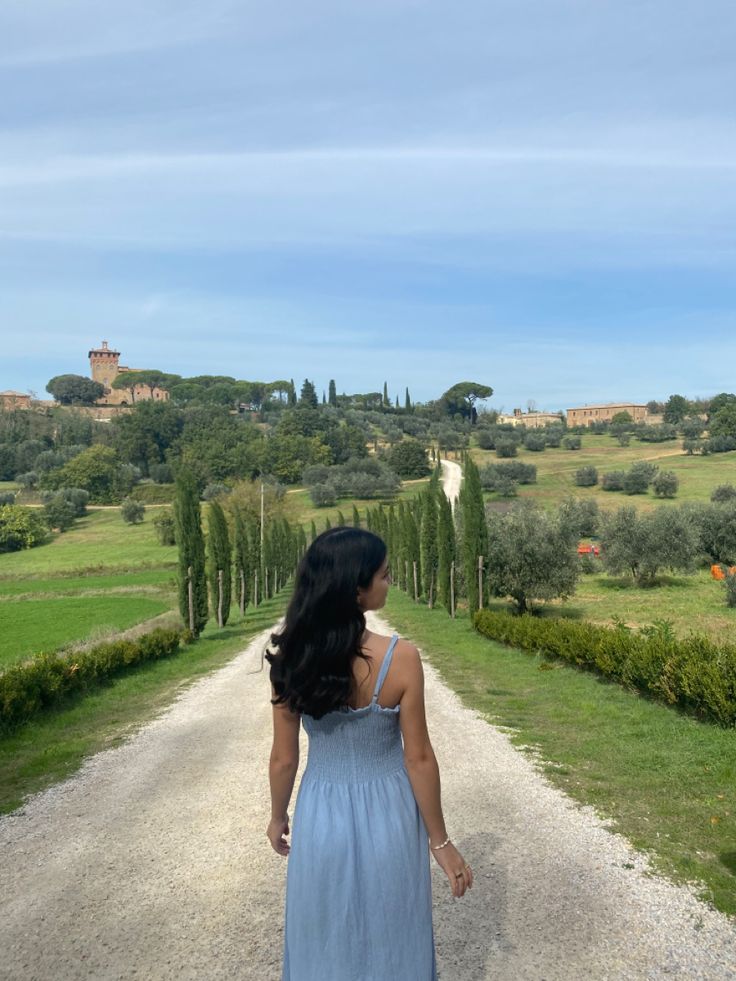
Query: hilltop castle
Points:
[105, 367]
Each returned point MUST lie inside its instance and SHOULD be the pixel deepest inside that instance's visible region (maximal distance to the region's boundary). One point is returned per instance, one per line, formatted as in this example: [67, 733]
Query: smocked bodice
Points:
[356, 744]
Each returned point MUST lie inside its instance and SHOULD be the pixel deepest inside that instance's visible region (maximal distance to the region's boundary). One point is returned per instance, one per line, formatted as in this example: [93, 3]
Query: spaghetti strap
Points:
[384, 667]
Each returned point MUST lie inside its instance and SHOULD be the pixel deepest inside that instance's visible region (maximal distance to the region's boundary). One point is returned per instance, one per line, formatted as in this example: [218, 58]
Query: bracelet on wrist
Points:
[436, 848]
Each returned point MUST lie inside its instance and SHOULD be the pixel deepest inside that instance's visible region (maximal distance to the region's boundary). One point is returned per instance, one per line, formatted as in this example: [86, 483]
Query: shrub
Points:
[161, 473]
[59, 513]
[580, 518]
[613, 480]
[716, 524]
[553, 435]
[586, 477]
[720, 443]
[165, 528]
[730, 584]
[642, 544]
[323, 495]
[635, 482]
[665, 484]
[657, 434]
[520, 473]
[506, 487]
[132, 511]
[724, 492]
[153, 493]
[316, 473]
[535, 442]
[7, 497]
[693, 673]
[506, 448]
[75, 497]
[29, 688]
[486, 440]
[21, 528]
[214, 490]
[27, 480]
[623, 439]
[572, 442]
[409, 459]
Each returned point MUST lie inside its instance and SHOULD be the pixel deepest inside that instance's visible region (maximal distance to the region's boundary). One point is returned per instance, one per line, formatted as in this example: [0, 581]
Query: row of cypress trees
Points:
[229, 564]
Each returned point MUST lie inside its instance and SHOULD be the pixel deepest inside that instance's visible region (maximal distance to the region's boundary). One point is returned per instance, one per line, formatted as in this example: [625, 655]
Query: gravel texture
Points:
[152, 862]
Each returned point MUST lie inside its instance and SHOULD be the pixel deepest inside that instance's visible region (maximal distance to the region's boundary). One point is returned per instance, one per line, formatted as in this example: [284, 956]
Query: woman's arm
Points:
[424, 774]
[282, 769]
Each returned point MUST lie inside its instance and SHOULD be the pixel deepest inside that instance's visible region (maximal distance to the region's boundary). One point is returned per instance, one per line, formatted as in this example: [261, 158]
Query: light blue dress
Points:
[358, 890]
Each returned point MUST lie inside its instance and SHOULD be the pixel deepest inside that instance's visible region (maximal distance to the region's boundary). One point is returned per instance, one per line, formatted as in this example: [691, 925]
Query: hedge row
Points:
[28, 688]
[693, 673]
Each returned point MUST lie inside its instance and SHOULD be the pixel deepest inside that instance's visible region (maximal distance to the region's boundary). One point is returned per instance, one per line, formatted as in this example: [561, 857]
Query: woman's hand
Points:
[277, 829]
[459, 875]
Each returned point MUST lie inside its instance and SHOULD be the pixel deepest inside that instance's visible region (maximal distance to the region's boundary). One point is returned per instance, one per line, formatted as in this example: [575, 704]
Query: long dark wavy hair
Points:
[311, 671]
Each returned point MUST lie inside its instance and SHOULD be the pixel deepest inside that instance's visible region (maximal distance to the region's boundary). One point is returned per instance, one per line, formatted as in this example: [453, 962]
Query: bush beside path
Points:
[153, 862]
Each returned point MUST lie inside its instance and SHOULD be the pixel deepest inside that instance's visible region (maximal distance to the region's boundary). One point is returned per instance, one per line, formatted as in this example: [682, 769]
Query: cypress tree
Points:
[291, 396]
[385, 394]
[332, 398]
[356, 517]
[324, 397]
[328, 524]
[407, 401]
[475, 530]
[312, 531]
[411, 533]
[190, 540]
[242, 561]
[341, 519]
[445, 548]
[219, 559]
[308, 394]
[428, 542]
[397, 401]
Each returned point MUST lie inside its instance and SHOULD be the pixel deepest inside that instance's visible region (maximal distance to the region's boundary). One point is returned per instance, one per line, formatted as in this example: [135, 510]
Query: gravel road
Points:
[152, 861]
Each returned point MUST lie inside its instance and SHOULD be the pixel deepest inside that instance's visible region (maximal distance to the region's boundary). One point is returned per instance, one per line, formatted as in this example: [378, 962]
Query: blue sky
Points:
[532, 194]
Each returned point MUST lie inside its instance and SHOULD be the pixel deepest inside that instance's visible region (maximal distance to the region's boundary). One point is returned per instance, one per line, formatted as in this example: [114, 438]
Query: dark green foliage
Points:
[572, 442]
[7, 497]
[98, 471]
[506, 448]
[75, 389]
[132, 511]
[332, 397]
[189, 537]
[59, 513]
[729, 584]
[519, 473]
[535, 442]
[219, 560]
[635, 482]
[145, 434]
[323, 495]
[643, 544]
[531, 556]
[21, 528]
[428, 545]
[474, 528]
[579, 517]
[486, 439]
[409, 459]
[365, 478]
[676, 408]
[308, 395]
[243, 566]
[341, 520]
[586, 477]
[695, 674]
[445, 548]
[665, 484]
[164, 526]
[356, 517]
[613, 480]
[724, 492]
[716, 524]
[29, 688]
[657, 434]
[723, 422]
[461, 398]
[719, 402]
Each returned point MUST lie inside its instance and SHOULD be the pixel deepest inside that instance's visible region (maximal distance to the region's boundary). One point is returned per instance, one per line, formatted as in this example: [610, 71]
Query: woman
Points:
[358, 894]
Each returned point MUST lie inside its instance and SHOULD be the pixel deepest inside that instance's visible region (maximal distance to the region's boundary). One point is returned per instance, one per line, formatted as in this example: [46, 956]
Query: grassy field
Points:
[556, 468]
[667, 781]
[693, 603]
[54, 745]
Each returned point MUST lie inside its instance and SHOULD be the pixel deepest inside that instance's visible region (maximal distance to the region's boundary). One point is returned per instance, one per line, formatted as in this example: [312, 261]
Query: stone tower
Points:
[103, 365]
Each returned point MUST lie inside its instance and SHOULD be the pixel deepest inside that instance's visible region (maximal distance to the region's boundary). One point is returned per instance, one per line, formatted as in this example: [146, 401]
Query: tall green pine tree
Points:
[190, 539]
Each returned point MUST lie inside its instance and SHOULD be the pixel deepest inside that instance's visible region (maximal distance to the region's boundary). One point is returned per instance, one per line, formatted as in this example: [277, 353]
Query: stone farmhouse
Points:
[586, 415]
[105, 367]
[14, 400]
[532, 420]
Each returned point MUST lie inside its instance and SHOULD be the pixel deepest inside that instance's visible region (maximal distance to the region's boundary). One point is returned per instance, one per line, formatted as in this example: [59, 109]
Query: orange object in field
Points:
[717, 572]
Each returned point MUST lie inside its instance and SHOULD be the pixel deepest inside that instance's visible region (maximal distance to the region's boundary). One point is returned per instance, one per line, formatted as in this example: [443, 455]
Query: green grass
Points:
[100, 540]
[556, 468]
[54, 746]
[73, 585]
[695, 603]
[666, 780]
[31, 627]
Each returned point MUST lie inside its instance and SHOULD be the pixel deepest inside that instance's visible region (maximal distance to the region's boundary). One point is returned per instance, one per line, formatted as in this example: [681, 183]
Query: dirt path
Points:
[152, 862]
